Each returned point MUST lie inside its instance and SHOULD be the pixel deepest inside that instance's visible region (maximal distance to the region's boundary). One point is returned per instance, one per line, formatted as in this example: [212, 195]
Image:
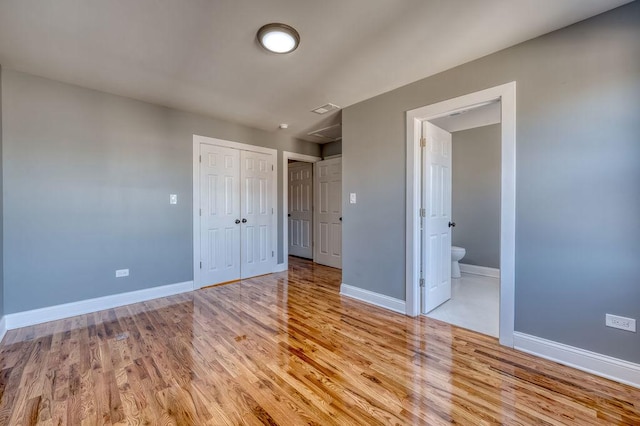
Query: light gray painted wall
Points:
[578, 171]
[87, 181]
[331, 148]
[1, 212]
[476, 194]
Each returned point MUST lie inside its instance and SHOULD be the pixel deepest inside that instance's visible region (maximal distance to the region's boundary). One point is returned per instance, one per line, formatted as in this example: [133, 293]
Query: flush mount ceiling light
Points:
[278, 38]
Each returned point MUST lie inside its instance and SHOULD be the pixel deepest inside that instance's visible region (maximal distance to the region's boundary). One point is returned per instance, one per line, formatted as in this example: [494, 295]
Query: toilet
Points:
[457, 253]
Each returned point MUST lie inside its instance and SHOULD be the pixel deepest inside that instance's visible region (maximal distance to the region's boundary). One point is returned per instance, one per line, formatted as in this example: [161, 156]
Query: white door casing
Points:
[257, 208]
[300, 214]
[219, 211]
[328, 208]
[436, 201]
[506, 94]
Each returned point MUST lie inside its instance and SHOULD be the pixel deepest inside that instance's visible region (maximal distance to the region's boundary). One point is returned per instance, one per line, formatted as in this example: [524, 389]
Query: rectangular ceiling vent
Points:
[325, 108]
[331, 133]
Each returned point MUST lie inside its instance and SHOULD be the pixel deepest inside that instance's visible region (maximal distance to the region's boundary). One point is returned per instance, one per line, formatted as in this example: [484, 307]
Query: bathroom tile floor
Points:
[474, 304]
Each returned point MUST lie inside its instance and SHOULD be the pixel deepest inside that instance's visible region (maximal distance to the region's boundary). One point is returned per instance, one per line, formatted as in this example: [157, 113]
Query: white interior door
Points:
[300, 212]
[219, 211]
[436, 200]
[257, 207]
[328, 209]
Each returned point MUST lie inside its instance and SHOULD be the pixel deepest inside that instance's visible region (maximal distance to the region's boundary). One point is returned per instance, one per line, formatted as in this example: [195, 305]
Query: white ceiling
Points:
[202, 56]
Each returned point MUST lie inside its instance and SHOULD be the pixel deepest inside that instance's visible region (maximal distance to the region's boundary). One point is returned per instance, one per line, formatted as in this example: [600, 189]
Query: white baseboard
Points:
[52, 313]
[3, 327]
[280, 267]
[601, 365]
[480, 270]
[377, 299]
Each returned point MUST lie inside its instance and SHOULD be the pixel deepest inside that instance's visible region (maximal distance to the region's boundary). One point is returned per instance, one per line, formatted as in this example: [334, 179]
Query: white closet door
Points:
[328, 207]
[219, 211]
[301, 210]
[436, 240]
[258, 251]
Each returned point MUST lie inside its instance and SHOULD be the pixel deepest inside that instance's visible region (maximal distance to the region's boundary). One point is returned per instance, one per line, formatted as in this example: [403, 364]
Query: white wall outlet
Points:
[122, 273]
[626, 324]
[173, 198]
[352, 198]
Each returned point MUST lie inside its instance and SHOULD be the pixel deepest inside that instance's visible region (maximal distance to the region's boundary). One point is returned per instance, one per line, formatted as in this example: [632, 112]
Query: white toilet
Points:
[457, 253]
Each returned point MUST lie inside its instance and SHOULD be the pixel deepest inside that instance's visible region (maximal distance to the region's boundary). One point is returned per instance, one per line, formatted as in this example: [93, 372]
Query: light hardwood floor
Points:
[286, 349]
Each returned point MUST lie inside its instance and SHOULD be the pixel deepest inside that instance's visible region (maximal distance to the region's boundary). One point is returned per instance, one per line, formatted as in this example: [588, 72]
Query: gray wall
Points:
[578, 171]
[331, 148]
[1, 211]
[87, 181]
[476, 194]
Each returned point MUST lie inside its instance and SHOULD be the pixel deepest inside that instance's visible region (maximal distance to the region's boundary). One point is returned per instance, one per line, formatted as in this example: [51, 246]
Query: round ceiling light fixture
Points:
[278, 38]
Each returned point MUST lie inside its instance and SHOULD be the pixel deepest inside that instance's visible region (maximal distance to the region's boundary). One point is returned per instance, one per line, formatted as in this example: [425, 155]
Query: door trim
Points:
[197, 140]
[286, 156]
[507, 94]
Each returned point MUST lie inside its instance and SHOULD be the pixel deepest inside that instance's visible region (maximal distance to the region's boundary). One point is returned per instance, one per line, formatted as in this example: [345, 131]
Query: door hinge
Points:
[200, 158]
[200, 265]
[272, 167]
[272, 254]
[271, 210]
[421, 282]
[423, 213]
[423, 142]
[200, 212]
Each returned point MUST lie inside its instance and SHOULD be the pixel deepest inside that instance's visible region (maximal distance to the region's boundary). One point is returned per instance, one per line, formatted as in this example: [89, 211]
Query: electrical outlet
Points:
[626, 324]
[352, 198]
[173, 198]
[122, 273]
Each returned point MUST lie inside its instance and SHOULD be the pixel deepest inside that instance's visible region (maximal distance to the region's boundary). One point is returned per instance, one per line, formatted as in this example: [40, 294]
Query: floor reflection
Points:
[285, 349]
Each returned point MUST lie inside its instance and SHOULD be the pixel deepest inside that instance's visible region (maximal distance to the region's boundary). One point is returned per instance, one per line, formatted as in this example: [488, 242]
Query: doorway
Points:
[287, 159]
[428, 259]
[471, 218]
[301, 209]
[326, 230]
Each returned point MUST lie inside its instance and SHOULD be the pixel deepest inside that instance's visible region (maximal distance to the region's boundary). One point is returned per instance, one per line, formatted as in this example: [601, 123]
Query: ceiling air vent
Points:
[325, 108]
[331, 133]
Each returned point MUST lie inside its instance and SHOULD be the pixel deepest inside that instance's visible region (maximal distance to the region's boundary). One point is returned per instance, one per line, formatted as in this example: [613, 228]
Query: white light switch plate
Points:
[352, 198]
[173, 198]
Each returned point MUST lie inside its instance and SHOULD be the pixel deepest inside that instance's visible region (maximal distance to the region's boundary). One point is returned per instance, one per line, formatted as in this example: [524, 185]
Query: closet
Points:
[328, 212]
[236, 214]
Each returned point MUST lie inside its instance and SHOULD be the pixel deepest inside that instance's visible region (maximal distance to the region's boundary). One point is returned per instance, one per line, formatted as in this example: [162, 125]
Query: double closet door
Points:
[236, 214]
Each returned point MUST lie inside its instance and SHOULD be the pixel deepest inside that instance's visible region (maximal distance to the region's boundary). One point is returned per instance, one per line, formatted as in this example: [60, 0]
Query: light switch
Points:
[352, 198]
[173, 198]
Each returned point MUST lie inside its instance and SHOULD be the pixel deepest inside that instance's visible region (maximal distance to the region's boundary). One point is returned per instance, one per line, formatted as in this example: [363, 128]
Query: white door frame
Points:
[286, 156]
[506, 93]
[197, 140]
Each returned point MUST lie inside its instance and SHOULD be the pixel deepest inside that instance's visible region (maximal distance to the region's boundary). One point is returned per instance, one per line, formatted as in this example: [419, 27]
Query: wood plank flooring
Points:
[286, 349]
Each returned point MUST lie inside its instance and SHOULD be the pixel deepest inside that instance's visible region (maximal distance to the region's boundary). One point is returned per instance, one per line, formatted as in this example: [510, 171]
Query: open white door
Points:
[300, 213]
[219, 211]
[258, 255]
[328, 208]
[436, 201]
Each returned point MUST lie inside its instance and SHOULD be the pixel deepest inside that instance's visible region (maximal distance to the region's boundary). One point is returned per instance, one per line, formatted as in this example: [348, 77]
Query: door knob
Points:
[452, 224]
[340, 218]
[244, 220]
[289, 215]
[237, 221]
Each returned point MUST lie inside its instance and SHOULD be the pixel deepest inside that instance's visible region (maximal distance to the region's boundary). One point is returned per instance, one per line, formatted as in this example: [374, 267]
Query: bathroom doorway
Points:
[473, 216]
[429, 213]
